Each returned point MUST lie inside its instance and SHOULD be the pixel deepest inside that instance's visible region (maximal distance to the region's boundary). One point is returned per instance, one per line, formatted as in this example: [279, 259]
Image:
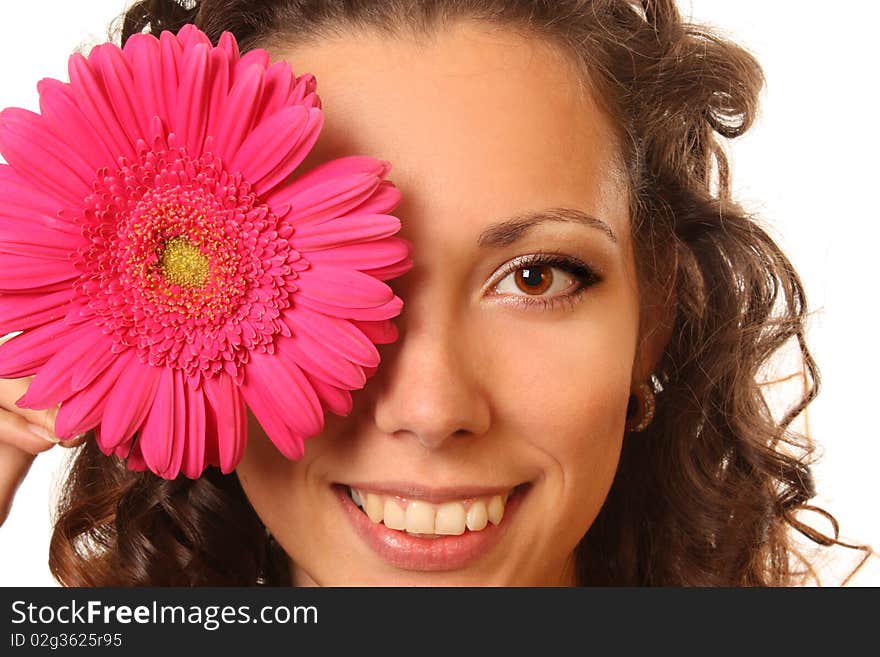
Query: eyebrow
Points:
[510, 230]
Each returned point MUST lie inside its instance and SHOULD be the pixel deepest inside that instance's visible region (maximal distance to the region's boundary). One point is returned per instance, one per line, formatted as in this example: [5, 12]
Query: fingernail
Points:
[43, 433]
[76, 441]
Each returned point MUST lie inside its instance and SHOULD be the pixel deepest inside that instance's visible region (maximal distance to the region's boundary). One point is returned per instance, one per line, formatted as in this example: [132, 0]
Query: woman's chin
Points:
[403, 579]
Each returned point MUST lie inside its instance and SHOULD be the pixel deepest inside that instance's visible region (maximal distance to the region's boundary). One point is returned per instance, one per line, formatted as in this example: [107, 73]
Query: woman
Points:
[572, 399]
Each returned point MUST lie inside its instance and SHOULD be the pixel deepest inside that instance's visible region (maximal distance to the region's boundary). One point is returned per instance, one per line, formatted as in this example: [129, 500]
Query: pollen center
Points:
[183, 263]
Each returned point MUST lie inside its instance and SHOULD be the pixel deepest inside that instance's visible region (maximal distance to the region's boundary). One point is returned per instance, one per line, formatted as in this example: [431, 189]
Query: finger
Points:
[8, 336]
[14, 465]
[11, 390]
[75, 442]
[16, 432]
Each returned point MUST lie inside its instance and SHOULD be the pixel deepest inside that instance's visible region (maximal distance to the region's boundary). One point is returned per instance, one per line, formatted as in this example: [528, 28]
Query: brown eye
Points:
[534, 279]
[545, 280]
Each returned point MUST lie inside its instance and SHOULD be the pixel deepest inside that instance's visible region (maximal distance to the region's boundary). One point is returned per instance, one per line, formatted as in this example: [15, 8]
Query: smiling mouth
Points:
[432, 520]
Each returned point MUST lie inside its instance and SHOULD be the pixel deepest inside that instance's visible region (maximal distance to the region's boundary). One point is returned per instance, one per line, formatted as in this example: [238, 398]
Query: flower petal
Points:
[279, 377]
[336, 400]
[19, 312]
[362, 255]
[191, 120]
[276, 145]
[83, 411]
[386, 310]
[66, 120]
[21, 193]
[121, 450]
[158, 435]
[303, 92]
[180, 435]
[334, 169]
[218, 89]
[55, 169]
[228, 419]
[193, 463]
[119, 85]
[325, 200]
[317, 359]
[344, 230]
[144, 54]
[94, 363]
[134, 458]
[239, 112]
[88, 91]
[339, 335]
[384, 200]
[24, 203]
[257, 58]
[343, 287]
[24, 354]
[129, 401]
[279, 82]
[190, 36]
[43, 251]
[337, 188]
[25, 236]
[52, 384]
[162, 438]
[23, 272]
[381, 332]
[268, 414]
[171, 52]
[228, 44]
[17, 221]
[390, 271]
[303, 145]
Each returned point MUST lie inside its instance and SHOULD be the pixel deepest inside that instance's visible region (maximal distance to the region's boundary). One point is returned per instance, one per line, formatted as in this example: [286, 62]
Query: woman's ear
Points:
[658, 320]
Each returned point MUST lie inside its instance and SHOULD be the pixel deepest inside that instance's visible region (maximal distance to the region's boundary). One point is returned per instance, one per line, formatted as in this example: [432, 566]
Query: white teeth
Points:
[495, 509]
[477, 516]
[450, 519]
[375, 507]
[419, 517]
[395, 517]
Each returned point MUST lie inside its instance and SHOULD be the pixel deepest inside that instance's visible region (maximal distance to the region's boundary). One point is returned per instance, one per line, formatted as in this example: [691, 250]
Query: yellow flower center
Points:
[183, 263]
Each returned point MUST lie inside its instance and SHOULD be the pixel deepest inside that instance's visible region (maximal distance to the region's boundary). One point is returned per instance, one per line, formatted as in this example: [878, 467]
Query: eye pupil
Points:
[534, 279]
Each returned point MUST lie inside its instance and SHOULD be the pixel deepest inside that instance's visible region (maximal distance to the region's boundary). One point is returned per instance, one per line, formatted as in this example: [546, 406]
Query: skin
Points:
[20, 445]
[480, 124]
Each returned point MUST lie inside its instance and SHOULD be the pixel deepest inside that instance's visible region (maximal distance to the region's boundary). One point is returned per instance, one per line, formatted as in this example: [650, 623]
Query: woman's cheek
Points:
[270, 480]
[567, 400]
[564, 380]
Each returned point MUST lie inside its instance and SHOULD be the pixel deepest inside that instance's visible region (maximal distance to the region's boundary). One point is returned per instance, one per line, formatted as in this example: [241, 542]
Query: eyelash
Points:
[584, 274]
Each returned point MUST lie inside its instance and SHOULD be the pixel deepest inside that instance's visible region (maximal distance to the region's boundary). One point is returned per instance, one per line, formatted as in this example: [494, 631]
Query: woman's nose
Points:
[429, 386]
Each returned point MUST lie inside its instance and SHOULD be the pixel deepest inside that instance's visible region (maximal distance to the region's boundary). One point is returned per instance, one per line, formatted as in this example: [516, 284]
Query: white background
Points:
[809, 168]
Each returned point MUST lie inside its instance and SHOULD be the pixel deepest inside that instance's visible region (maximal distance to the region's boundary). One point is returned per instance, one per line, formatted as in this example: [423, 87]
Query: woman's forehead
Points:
[478, 122]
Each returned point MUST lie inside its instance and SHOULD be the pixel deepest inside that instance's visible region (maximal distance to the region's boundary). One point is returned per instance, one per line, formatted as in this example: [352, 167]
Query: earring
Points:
[640, 408]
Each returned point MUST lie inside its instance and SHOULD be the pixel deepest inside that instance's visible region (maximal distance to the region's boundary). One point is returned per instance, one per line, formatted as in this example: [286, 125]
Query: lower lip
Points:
[414, 553]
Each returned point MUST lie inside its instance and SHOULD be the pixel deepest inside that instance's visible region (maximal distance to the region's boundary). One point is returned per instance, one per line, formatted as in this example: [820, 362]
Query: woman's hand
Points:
[23, 434]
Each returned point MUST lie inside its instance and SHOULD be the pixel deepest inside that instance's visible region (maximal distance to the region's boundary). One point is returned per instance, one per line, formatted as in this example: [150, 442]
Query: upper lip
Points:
[411, 490]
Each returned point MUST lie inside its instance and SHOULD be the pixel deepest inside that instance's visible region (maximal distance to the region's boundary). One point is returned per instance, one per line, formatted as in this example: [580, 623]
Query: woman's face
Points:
[502, 380]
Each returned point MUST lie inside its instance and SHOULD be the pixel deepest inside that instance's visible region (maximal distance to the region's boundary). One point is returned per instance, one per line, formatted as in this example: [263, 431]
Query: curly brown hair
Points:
[708, 494]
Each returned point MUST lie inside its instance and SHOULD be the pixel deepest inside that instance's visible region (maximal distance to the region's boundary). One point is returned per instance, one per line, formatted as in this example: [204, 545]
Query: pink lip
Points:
[413, 553]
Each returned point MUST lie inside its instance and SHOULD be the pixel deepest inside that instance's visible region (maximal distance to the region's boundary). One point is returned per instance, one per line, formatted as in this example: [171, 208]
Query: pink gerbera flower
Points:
[162, 272]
